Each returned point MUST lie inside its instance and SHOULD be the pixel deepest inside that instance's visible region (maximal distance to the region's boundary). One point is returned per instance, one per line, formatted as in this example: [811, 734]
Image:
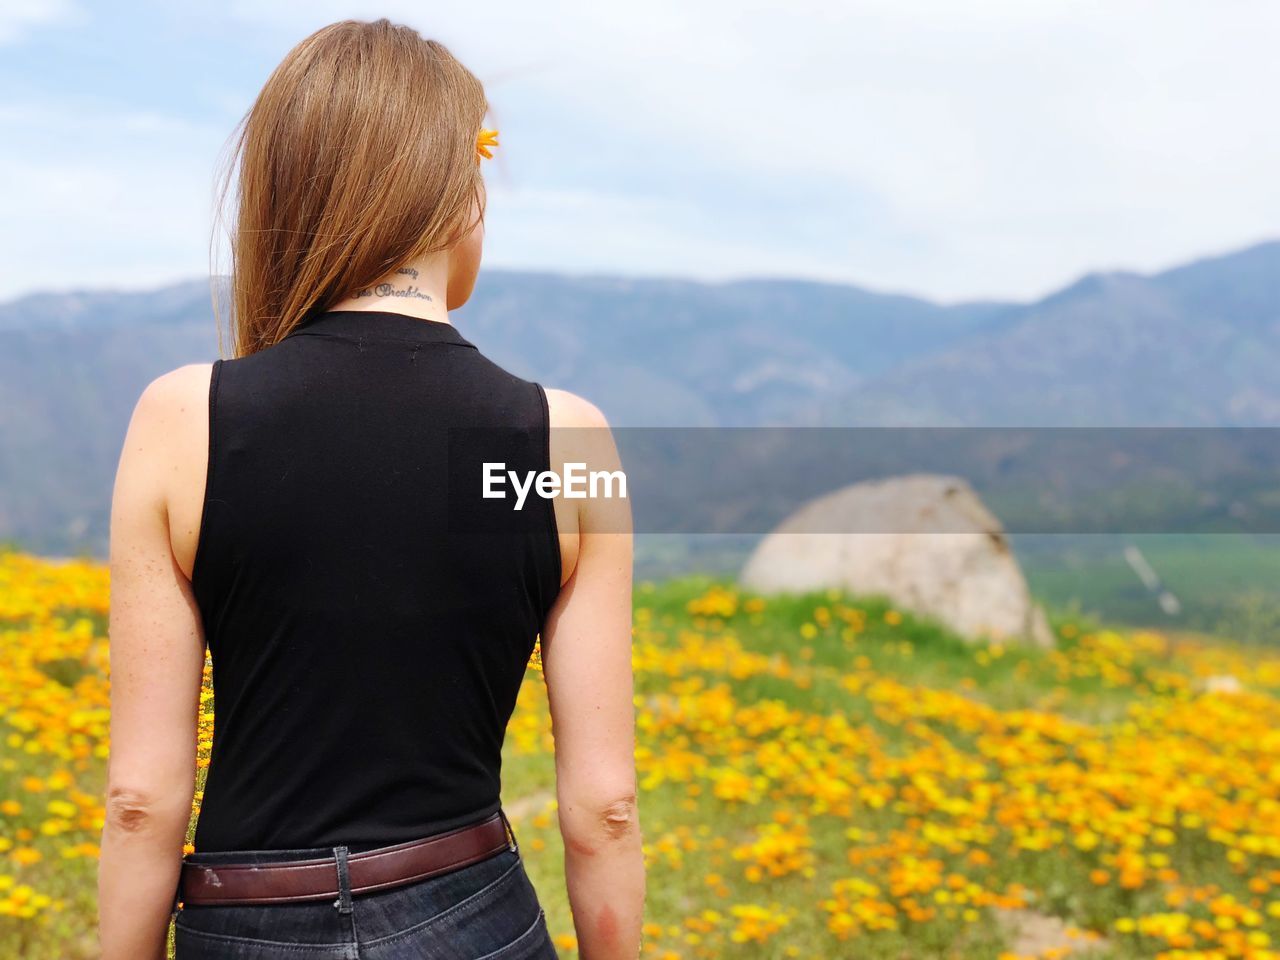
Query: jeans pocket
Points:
[195, 945]
[310, 931]
[499, 919]
[534, 944]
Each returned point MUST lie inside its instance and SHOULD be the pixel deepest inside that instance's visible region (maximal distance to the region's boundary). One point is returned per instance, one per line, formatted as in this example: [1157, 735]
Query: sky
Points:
[985, 149]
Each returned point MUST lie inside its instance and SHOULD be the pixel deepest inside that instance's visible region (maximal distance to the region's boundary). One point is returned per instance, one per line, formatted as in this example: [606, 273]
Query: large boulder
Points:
[924, 541]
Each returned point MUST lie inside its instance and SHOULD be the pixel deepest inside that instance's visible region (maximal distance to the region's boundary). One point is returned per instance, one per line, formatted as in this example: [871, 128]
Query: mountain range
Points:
[1198, 345]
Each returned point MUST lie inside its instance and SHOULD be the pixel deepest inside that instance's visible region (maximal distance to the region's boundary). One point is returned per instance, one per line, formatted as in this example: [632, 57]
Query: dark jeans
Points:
[487, 910]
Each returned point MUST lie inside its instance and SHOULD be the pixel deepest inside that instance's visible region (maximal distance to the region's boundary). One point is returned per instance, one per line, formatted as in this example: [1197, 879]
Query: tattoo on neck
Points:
[408, 272]
[390, 290]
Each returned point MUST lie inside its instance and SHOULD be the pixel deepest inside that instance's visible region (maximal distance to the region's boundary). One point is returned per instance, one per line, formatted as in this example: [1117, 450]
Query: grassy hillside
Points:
[1226, 584]
[820, 777]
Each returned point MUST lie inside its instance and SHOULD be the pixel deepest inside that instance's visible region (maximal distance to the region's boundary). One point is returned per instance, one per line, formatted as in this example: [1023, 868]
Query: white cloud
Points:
[19, 16]
[127, 204]
[1015, 144]
[995, 147]
[589, 232]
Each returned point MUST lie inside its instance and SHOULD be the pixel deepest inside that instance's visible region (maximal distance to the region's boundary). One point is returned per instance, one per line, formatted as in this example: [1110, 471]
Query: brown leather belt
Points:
[318, 879]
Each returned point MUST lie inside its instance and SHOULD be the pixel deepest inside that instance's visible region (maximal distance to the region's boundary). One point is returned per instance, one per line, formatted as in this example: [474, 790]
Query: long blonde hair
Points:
[358, 156]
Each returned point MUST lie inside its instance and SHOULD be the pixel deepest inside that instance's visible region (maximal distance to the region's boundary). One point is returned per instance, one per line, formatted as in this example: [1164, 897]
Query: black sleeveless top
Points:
[368, 631]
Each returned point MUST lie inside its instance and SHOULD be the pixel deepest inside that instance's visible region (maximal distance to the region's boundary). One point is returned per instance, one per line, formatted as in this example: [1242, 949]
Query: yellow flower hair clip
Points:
[486, 139]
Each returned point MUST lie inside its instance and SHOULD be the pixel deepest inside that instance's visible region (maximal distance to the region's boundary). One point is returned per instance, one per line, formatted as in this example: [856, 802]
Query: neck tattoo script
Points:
[390, 290]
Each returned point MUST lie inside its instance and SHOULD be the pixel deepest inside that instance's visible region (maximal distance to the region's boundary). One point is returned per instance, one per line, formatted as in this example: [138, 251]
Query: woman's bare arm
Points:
[586, 658]
[157, 655]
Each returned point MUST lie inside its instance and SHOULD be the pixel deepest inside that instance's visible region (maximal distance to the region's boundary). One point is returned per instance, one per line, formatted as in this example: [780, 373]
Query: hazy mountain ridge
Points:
[1196, 345]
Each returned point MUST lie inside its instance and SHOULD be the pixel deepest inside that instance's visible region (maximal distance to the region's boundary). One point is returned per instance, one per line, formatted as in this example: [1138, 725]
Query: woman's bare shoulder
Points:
[177, 383]
[570, 410]
[172, 398]
[166, 452]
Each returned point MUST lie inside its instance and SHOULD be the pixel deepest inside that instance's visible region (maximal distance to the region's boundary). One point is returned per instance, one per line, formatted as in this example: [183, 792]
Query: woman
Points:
[311, 510]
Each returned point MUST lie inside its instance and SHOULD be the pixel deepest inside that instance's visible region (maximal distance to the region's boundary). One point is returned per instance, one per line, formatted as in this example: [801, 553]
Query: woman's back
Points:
[370, 610]
[368, 641]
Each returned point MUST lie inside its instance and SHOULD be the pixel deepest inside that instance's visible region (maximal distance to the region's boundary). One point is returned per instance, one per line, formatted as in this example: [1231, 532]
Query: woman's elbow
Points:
[604, 817]
[135, 809]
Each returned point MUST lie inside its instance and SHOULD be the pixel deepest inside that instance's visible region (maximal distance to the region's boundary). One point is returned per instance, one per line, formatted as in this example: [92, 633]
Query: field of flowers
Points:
[820, 777]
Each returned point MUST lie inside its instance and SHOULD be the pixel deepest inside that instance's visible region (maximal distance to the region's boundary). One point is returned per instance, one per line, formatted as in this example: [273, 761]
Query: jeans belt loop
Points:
[343, 903]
